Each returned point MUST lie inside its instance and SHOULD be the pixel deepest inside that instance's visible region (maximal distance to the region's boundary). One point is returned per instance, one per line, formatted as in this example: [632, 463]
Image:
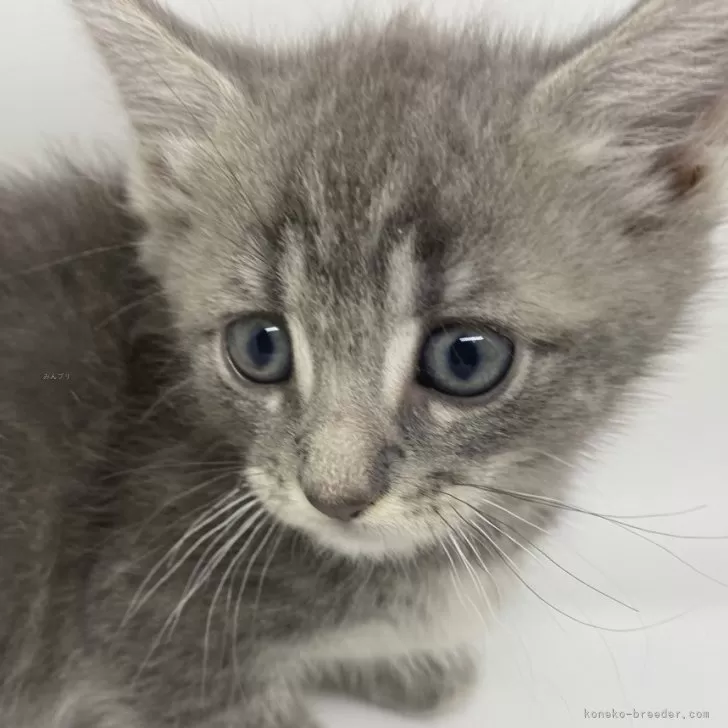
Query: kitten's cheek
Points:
[274, 402]
[285, 501]
[444, 415]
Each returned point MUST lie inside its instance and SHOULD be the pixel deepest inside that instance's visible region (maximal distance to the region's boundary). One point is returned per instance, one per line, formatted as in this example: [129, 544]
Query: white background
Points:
[542, 669]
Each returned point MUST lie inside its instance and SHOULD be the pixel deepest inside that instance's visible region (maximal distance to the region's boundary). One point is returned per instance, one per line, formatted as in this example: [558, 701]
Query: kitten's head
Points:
[415, 269]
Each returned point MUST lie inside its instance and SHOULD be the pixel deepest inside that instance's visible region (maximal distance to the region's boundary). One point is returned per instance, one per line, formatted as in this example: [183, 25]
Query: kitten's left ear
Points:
[647, 103]
[170, 90]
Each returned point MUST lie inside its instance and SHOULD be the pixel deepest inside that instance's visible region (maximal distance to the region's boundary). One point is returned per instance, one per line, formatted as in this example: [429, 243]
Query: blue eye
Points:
[259, 349]
[464, 362]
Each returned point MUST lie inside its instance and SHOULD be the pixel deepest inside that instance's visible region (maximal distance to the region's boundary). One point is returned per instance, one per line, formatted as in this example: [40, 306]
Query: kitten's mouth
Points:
[363, 533]
[352, 528]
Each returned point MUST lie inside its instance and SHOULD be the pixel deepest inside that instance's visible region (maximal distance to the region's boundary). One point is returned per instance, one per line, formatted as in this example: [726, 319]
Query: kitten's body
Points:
[80, 532]
[374, 186]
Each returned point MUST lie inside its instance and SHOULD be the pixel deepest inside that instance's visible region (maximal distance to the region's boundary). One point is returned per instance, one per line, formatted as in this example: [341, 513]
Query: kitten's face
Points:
[410, 282]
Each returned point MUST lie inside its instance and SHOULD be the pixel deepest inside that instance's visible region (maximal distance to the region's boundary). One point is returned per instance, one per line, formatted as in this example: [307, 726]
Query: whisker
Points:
[167, 394]
[203, 568]
[171, 622]
[466, 564]
[186, 494]
[453, 570]
[266, 567]
[225, 503]
[140, 301]
[665, 514]
[258, 595]
[555, 503]
[630, 528]
[241, 591]
[503, 508]
[458, 550]
[43, 267]
[231, 566]
[555, 458]
[215, 513]
[513, 567]
[517, 635]
[165, 465]
[664, 548]
[463, 534]
[136, 603]
[561, 567]
[492, 522]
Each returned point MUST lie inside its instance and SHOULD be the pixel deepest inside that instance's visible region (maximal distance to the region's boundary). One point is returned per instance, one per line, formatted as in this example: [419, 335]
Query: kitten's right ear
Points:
[170, 90]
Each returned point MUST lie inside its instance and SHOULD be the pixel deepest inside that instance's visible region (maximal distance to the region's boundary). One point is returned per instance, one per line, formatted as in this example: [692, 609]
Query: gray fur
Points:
[366, 187]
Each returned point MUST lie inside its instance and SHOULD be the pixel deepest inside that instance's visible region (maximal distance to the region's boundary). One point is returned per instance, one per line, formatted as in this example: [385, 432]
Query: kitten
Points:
[278, 402]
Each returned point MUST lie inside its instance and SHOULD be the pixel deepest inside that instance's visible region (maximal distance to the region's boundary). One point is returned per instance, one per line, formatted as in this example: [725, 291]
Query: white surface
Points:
[543, 669]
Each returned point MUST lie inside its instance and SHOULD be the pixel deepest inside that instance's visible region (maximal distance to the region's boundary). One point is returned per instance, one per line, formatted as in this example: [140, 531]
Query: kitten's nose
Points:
[340, 509]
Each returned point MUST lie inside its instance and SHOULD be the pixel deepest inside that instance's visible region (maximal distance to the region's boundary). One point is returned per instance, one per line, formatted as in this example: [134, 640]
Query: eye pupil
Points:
[261, 348]
[464, 358]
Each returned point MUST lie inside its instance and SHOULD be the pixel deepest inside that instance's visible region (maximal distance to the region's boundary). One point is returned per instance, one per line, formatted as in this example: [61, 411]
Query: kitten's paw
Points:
[422, 685]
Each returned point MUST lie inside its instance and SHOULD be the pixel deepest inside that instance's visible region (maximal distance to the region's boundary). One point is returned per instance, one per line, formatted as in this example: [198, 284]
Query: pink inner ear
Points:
[684, 169]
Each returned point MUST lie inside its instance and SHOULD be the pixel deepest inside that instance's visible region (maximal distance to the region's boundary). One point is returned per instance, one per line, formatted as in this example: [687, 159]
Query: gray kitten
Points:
[278, 403]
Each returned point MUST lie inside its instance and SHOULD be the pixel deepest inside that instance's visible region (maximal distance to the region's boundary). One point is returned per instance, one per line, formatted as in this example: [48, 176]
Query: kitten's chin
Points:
[357, 541]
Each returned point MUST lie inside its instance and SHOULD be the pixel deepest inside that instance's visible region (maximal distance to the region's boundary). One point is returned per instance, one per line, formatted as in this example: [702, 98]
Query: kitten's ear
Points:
[167, 85]
[651, 95]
